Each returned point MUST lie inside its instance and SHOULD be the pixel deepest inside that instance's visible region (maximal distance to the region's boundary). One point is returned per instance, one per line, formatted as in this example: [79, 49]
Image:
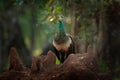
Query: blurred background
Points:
[28, 25]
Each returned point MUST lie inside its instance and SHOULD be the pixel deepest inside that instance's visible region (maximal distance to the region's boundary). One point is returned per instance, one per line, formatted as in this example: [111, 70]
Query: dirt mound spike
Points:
[15, 61]
[50, 59]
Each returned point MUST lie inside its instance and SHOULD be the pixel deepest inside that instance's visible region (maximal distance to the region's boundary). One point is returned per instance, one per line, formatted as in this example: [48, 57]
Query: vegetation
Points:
[28, 25]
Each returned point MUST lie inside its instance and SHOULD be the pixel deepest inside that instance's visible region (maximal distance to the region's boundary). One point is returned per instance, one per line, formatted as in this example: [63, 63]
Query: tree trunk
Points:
[12, 36]
[76, 28]
[107, 36]
[1, 46]
[33, 27]
[113, 22]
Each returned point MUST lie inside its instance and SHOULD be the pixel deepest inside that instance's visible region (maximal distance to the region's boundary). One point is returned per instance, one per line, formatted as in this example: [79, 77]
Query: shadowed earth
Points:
[76, 67]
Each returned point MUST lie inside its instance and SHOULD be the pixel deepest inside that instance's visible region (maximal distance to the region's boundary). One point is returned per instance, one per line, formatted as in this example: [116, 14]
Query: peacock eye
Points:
[61, 16]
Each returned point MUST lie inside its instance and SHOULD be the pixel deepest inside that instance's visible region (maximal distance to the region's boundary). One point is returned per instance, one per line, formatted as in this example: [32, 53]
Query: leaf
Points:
[57, 61]
[58, 9]
[19, 2]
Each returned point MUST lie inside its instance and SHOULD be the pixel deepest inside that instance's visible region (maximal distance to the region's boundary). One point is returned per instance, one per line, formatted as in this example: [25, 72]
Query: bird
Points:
[62, 44]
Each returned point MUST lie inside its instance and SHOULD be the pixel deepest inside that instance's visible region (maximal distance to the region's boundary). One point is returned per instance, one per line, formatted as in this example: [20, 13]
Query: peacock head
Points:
[60, 17]
[61, 29]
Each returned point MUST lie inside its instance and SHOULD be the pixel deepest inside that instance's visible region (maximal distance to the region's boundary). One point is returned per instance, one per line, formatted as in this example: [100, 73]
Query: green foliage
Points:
[103, 66]
[116, 78]
[86, 30]
[19, 2]
[57, 61]
[39, 3]
[46, 10]
[1, 4]
[25, 23]
[58, 9]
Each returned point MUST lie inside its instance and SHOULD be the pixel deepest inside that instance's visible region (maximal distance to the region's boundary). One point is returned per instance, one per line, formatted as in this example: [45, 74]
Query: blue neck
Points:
[61, 27]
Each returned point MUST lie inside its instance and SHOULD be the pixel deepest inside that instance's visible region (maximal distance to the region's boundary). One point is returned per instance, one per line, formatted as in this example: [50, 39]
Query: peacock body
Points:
[62, 44]
[61, 40]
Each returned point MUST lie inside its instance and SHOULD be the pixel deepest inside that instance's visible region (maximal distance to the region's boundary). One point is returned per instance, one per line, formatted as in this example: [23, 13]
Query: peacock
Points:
[62, 44]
